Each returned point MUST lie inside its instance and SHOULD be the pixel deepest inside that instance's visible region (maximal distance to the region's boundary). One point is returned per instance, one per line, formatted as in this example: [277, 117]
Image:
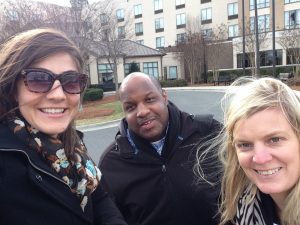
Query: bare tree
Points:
[192, 49]
[290, 42]
[19, 15]
[250, 44]
[215, 49]
[111, 42]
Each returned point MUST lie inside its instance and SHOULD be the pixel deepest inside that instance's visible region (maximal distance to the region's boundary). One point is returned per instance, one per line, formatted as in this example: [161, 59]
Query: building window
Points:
[232, 10]
[206, 32]
[180, 20]
[248, 57]
[180, 38]
[139, 29]
[158, 6]
[160, 42]
[290, 1]
[103, 19]
[180, 4]
[233, 31]
[260, 4]
[263, 22]
[205, 1]
[159, 24]
[292, 19]
[206, 16]
[120, 15]
[173, 72]
[266, 58]
[128, 65]
[121, 32]
[105, 73]
[141, 42]
[151, 68]
[138, 11]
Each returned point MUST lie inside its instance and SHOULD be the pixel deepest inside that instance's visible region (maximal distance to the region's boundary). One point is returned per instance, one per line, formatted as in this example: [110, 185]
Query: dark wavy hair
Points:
[22, 51]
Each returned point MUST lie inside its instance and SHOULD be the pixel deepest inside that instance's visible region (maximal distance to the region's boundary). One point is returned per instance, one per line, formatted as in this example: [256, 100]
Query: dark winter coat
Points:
[31, 193]
[150, 189]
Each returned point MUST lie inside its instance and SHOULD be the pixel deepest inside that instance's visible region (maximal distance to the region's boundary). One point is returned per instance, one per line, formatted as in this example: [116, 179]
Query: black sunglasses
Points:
[41, 80]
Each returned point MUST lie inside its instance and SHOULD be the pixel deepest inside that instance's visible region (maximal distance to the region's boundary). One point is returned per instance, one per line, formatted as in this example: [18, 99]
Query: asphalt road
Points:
[197, 101]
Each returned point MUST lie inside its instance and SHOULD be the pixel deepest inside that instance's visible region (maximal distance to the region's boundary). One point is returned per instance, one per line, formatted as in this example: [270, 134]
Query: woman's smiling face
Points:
[268, 151]
[50, 112]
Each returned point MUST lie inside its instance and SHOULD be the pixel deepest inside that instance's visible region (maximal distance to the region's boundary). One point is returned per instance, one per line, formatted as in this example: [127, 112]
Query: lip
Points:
[268, 172]
[146, 124]
[53, 112]
[145, 121]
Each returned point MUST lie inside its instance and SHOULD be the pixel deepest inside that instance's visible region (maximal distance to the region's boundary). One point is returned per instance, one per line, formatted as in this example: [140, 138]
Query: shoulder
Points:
[205, 124]
[110, 150]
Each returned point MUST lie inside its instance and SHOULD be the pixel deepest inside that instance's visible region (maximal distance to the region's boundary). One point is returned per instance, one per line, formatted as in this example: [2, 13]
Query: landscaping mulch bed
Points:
[89, 111]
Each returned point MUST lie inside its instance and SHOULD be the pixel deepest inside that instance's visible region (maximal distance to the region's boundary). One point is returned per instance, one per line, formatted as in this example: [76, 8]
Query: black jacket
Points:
[31, 193]
[150, 189]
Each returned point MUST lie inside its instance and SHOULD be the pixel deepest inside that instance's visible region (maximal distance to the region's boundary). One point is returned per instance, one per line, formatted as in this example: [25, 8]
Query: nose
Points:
[56, 91]
[142, 110]
[261, 154]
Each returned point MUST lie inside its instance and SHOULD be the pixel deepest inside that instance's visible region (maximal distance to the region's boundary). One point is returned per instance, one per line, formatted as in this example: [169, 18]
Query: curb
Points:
[94, 125]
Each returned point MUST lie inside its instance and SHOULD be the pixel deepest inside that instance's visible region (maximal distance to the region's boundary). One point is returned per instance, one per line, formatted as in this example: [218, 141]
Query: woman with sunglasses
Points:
[46, 175]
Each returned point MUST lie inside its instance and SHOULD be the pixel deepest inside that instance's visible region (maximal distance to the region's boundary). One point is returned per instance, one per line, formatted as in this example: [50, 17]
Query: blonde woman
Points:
[260, 151]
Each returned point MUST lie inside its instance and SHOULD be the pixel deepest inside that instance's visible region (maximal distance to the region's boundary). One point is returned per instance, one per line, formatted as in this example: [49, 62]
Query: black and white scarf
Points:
[256, 209]
[249, 212]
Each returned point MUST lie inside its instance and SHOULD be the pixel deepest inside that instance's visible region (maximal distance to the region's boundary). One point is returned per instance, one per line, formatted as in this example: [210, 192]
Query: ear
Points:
[164, 95]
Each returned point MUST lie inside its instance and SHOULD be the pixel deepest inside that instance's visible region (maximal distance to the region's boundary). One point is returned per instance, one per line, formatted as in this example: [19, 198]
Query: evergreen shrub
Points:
[173, 83]
[93, 94]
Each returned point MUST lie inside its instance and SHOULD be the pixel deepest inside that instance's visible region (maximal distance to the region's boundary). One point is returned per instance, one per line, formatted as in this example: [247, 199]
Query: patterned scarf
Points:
[249, 212]
[80, 174]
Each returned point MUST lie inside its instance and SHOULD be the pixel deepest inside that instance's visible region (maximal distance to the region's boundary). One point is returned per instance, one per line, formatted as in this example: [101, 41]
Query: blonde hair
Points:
[242, 99]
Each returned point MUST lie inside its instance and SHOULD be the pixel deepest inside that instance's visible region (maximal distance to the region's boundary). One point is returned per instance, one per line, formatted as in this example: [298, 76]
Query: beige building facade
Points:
[163, 23]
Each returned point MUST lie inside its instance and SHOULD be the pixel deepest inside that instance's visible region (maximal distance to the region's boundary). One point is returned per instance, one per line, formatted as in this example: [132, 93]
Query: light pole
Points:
[243, 28]
[257, 61]
[273, 40]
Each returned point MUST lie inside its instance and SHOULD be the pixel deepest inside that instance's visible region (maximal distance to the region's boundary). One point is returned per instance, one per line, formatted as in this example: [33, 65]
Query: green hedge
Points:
[173, 83]
[93, 94]
[264, 71]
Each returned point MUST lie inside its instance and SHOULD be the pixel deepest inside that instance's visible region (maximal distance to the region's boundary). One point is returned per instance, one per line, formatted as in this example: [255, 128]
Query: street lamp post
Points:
[257, 62]
[243, 28]
[273, 40]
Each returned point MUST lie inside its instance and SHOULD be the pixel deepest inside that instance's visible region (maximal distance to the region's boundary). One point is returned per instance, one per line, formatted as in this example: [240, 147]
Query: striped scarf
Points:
[249, 211]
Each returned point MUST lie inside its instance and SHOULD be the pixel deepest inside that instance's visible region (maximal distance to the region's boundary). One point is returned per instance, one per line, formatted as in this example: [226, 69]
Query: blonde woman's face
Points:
[50, 112]
[268, 151]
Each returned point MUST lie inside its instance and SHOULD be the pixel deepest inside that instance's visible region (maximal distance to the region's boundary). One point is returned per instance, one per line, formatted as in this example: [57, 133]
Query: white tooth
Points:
[267, 172]
[53, 111]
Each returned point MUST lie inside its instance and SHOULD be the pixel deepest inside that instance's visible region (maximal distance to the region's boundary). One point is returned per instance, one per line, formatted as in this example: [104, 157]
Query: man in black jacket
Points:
[148, 169]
